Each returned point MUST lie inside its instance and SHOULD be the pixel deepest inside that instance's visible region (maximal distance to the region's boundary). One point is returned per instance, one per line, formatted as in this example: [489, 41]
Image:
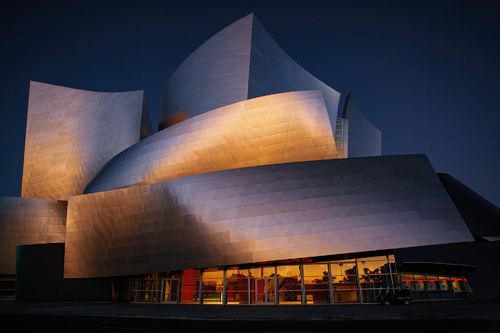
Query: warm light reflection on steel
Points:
[71, 134]
[263, 213]
[281, 128]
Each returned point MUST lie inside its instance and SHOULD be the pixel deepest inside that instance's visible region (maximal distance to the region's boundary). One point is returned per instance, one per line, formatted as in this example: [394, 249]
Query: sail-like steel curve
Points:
[364, 138]
[72, 133]
[262, 213]
[240, 62]
[280, 128]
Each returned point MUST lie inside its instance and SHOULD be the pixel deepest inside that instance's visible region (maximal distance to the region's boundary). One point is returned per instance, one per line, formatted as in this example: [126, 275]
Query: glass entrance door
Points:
[170, 289]
[265, 288]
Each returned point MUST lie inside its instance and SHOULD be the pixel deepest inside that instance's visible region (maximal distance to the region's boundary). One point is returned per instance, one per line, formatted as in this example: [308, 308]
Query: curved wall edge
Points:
[263, 213]
[280, 128]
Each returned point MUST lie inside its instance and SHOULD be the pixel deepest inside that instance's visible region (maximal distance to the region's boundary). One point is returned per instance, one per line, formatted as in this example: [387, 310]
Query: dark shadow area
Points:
[39, 277]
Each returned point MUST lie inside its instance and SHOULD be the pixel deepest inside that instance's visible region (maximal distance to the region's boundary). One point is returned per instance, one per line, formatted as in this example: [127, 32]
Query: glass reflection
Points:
[237, 286]
[213, 286]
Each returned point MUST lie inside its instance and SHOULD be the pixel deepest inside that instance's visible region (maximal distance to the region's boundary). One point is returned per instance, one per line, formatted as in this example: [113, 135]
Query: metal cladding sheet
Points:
[214, 75]
[364, 138]
[281, 128]
[273, 71]
[262, 213]
[25, 221]
[240, 62]
[71, 134]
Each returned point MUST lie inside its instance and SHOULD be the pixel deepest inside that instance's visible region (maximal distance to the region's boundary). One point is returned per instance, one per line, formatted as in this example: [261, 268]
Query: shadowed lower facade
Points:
[252, 192]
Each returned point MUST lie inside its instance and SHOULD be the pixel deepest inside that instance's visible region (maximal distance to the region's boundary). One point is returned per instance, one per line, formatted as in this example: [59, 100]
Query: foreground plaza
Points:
[256, 189]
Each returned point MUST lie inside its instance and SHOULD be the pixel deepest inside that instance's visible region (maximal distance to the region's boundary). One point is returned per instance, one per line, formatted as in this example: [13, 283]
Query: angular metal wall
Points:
[288, 127]
[72, 133]
[364, 139]
[28, 221]
[261, 213]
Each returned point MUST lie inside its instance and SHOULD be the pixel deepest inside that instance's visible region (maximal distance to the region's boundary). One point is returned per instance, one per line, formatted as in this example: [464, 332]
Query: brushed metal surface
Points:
[364, 138]
[287, 127]
[240, 62]
[26, 221]
[261, 213]
[71, 134]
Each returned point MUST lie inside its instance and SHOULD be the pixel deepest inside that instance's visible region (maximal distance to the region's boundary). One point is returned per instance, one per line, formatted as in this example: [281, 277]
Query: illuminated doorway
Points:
[265, 288]
[170, 290]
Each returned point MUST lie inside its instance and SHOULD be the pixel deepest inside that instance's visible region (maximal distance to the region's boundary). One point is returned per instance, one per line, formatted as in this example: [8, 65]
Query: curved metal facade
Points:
[288, 127]
[241, 61]
[214, 75]
[71, 134]
[273, 71]
[364, 138]
[26, 221]
[261, 213]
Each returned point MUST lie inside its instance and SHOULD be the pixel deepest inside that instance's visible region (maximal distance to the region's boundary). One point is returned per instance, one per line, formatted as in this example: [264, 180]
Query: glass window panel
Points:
[237, 277]
[262, 271]
[405, 276]
[317, 296]
[288, 271]
[369, 295]
[170, 290]
[212, 297]
[190, 294]
[213, 275]
[345, 296]
[316, 279]
[343, 268]
[316, 270]
[374, 266]
[345, 286]
[375, 281]
[322, 286]
[237, 286]
[290, 297]
[344, 279]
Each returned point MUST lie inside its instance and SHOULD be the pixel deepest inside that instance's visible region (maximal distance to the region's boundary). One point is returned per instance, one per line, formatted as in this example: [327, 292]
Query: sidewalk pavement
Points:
[477, 310]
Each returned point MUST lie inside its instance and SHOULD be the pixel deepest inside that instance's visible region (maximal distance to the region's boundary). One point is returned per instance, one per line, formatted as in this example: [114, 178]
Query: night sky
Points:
[426, 73]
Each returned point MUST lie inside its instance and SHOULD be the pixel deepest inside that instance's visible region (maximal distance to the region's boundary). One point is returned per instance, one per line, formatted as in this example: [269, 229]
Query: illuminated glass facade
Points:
[302, 281]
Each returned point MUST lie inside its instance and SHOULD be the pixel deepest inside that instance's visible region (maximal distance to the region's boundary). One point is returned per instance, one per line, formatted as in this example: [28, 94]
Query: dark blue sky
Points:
[426, 73]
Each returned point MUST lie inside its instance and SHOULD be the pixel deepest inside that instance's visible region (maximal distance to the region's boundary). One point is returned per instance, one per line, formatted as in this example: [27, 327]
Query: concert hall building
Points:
[256, 189]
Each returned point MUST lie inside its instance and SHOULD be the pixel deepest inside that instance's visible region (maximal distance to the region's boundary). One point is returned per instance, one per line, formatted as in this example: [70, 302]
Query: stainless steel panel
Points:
[364, 138]
[71, 134]
[226, 230]
[27, 221]
[227, 147]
